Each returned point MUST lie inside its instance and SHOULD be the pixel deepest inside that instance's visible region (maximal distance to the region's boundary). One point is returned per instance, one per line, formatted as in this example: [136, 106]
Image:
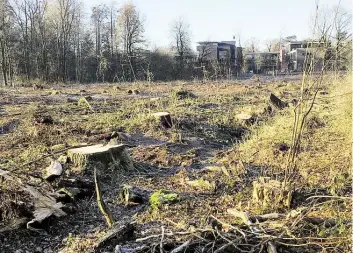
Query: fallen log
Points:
[15, 224]
[119, 231]
[45, 205]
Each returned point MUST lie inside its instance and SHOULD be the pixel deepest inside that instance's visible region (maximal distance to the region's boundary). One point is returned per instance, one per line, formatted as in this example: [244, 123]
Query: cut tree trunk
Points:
[165, 119]
[277, 102]
[271, 193]
[246, 119]
[86, 158]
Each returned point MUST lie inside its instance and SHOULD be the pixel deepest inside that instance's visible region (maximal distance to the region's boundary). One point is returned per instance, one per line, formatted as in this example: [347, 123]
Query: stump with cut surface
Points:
[271, 193]
[246, 119]
[164, 118]
[86, 158]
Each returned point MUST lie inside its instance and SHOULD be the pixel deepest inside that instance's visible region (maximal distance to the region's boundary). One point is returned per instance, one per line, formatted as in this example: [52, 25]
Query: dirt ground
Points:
[208, 145]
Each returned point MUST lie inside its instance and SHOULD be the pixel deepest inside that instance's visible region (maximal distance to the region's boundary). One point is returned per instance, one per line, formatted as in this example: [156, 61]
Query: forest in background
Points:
[55, 41]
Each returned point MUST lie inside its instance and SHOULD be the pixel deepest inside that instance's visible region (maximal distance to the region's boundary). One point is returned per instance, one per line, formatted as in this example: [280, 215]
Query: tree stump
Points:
[277, 102]
[88, 157]
[246, 119]
[165, 119]
[271, 193]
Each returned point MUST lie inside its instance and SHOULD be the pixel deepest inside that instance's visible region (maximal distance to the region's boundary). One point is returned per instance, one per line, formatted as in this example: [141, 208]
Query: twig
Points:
[171, 234]
[147, 238]
[161, 243]
[246, 220]
[102, 206]
[181, 247]
[53, 153]
[115, 231]
[327, 196]
[271, 247]
[226, 224]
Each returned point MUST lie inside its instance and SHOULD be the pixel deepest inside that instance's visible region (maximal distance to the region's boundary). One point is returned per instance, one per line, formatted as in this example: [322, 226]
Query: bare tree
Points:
[99, 15]
[131, 30]
[252, 45]
[4, 30]
[180, 32]
[324, 25]
[204, 51]
[333, 30]
[112, 22]
[67, 14]
[342, 38]
[272, 45]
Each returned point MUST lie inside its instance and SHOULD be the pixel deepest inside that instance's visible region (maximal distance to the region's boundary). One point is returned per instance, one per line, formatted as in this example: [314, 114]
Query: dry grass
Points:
[206, 132]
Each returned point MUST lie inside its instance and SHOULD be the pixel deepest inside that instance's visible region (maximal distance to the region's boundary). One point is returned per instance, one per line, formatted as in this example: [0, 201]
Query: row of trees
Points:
[53, 41]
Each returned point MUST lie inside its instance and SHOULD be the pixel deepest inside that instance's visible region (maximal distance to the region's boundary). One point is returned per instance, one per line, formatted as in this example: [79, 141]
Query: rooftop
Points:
[217, 42]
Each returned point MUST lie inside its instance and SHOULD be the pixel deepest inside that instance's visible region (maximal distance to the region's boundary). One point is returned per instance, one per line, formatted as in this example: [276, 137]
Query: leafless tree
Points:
[204, 51]
[180, 32]
[5, 19]
[252, 45]
[324, 25]
[67, 14]
[99, 16]
[272, 45]
[131, 30]
[342, 38]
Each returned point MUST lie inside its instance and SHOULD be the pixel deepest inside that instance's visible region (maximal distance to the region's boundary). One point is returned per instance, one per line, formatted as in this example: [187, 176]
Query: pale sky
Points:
[221, 19]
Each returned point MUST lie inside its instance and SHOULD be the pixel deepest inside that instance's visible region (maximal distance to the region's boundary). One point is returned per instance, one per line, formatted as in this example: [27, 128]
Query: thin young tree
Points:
[5, 18]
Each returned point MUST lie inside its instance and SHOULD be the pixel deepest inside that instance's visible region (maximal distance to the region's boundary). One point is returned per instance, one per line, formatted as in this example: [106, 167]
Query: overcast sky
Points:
[221, 19]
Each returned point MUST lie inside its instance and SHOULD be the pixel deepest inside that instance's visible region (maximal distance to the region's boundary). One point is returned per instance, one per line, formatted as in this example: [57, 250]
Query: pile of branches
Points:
[271, 233]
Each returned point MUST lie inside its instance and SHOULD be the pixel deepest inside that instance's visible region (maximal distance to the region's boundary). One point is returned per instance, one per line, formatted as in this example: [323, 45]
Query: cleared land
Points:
[188, 179]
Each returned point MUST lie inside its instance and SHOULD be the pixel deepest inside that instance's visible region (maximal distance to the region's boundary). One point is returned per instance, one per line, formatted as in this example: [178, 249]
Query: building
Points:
[299, 55]
[223, 51]
[261, 62]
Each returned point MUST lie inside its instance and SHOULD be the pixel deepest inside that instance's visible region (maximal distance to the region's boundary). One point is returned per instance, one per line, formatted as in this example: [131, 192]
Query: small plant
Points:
[161, 197]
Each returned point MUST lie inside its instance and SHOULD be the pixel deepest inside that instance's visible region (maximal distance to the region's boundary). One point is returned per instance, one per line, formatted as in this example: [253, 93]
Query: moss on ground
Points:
[162, 197]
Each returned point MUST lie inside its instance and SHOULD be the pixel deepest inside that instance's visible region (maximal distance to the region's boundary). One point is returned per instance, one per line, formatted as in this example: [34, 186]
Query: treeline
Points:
[53, 41]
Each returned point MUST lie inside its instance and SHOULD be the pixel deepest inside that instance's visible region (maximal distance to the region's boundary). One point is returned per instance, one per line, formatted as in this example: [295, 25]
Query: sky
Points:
[222, 19]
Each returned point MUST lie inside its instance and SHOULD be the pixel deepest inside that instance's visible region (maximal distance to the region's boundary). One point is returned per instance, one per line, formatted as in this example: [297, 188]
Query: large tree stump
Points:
[85, 158]
[271, 193]
[164, 118]
[277, 102]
